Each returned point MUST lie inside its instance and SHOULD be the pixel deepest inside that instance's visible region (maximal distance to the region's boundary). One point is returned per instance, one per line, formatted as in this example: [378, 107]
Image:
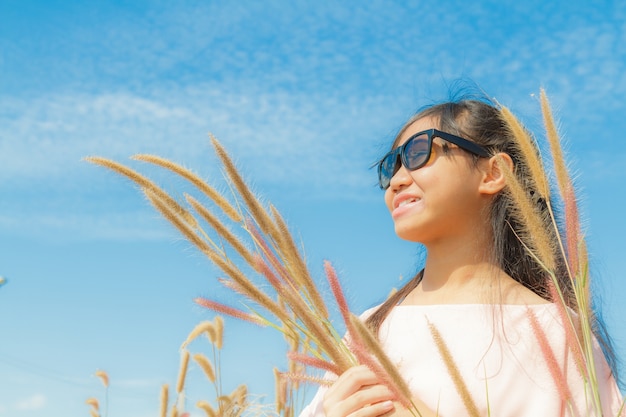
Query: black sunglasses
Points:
[415, 153]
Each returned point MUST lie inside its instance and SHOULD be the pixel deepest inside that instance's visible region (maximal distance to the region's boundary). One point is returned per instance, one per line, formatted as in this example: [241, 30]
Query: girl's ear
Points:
[493, 180]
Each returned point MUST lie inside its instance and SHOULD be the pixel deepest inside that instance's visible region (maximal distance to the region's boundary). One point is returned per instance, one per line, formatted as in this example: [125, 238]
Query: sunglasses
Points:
[415, 153]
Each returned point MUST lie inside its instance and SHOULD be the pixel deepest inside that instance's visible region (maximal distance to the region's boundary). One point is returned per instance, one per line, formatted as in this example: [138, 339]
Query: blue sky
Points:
[305, 95]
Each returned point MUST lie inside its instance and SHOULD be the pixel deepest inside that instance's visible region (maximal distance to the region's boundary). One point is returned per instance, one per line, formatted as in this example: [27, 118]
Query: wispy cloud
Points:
[303, 101]
[32, 403]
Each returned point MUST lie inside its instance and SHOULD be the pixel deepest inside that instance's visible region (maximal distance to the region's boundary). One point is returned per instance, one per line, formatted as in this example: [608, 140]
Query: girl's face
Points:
[440, 200]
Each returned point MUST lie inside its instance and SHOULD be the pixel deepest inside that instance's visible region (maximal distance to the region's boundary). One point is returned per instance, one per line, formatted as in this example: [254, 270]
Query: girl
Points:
[480, 295]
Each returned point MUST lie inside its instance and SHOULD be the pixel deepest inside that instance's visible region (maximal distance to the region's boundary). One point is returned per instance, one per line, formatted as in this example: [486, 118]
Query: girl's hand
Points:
[358, 393]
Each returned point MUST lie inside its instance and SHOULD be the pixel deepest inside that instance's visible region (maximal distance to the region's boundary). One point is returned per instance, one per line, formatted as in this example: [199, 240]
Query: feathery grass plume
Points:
[206, 407]
[218, 322]
[144, 183]
[182, 372]
[301, 275]
[573, 236]
[229, 311]
[280, 391]
[288, 286]
[104, 377]
[240, 394]
[453, 370]
[200, 328]
[571, 326]
[251, 291]
[219, 228]
[174, 411]
[335, 287]
[206, 366]
[93, 413]
[565, 186]
[164, 399]
[268, 253]
[255, 207]
[93, 402]
[299, 306]
[314, 362]
[189, 175]
[560, 167]
[364, 341]
[533, 234]
[548, 355]
[525, 143]
[316, 328]
[211, 335]
[302, 377]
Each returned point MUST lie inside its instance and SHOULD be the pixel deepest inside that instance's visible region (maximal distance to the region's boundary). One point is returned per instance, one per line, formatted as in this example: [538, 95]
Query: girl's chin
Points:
[409, 234]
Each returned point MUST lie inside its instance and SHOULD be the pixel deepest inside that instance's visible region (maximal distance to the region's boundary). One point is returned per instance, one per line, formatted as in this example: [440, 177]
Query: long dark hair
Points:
[481, 121]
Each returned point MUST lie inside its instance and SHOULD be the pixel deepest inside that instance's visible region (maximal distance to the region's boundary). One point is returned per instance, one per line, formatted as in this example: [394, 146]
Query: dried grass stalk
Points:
[553, 366]
[293, 258]
[104, 377]
[528, 150]
[560, 168]
[182, 372]
[200, 328]
[164, 399]
[144, 183]
[453, 370]
[93, 402]
[218, 322]
[206, 407]
[219, 227]
[314, 362]
[255, 207]
[388, 371]
[209, 191]
[533, 232]
[206, 366]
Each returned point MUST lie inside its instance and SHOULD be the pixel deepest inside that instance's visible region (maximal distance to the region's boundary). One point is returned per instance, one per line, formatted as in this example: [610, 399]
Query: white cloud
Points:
[34, 402]
[281, 132]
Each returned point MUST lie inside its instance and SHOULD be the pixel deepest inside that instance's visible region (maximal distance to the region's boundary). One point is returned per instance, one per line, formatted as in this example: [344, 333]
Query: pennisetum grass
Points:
[292, 304]
[547, 240]
[453, 370]
[165, 390]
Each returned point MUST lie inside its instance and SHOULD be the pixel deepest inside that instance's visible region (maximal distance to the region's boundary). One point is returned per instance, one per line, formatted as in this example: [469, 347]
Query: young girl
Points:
[445, 188]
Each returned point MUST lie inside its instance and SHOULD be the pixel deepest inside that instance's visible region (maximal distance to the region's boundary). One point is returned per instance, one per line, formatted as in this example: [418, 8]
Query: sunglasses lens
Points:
[416, 152]
[387, 167]
[414, 155]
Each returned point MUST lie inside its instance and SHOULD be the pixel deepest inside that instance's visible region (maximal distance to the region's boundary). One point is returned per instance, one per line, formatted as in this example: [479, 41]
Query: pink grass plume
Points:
[229, 311]
[548, 355]
[314, 362]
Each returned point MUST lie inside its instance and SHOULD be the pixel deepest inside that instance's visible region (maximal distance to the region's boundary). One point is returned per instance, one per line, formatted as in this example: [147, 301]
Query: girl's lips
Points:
[404, 203]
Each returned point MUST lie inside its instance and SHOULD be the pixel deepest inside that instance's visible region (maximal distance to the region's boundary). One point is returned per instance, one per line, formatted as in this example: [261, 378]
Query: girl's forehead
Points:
[418, 125]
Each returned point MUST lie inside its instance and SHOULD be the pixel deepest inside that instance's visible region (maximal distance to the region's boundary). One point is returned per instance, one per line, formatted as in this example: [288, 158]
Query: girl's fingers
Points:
[351, 381]
[357, 393]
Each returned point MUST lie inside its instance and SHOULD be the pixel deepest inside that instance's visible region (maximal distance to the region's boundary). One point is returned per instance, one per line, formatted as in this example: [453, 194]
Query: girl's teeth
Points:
[405, 202]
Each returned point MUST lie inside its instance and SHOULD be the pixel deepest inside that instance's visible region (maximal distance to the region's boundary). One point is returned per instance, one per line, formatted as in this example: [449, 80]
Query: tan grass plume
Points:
[182, 372]
[534, 233]
[164, 399]
[209, 191]
[206, 366]
[529, 152]
[104, 377]
[453, 371]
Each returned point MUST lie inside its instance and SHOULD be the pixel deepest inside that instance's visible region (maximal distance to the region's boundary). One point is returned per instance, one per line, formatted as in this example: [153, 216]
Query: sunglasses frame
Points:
[400, 152]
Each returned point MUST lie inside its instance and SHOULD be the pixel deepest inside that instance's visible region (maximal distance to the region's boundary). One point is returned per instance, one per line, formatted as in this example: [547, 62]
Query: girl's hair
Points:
[480, 120]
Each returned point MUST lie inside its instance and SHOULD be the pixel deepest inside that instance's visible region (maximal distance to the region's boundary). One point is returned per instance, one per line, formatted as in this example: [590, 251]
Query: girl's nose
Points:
[401, 179]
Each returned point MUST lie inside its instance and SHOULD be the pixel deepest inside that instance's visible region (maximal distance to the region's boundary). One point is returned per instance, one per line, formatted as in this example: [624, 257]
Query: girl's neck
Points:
[462, 273]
